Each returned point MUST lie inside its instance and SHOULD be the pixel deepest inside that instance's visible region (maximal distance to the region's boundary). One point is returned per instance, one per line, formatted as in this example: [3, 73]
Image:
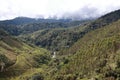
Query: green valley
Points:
[60, 49]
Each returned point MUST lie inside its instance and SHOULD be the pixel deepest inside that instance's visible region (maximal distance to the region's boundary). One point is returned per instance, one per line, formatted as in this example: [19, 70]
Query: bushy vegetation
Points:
[54, 39]
[97, 56]
[27, 25]
[57, 36]
[17, 57]
[88, 52]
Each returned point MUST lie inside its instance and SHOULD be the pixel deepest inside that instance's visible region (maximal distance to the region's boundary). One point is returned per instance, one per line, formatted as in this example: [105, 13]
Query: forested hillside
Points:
[61, 37]
[55, 39]
[77, 50]
[17, 57]
[96, 56]
[24, 25]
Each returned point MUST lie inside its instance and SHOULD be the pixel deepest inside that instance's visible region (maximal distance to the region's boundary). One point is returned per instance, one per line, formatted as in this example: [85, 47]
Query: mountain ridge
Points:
[94, 54]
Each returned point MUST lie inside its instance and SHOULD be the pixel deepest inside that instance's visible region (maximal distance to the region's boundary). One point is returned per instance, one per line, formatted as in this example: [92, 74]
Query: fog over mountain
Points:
[73, 9]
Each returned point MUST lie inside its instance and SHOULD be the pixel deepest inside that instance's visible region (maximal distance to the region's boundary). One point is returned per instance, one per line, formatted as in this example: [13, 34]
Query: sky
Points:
[74, 9]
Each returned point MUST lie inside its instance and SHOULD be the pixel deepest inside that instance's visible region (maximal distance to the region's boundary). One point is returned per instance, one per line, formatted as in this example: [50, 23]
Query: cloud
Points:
[75, 9]
[83, 13]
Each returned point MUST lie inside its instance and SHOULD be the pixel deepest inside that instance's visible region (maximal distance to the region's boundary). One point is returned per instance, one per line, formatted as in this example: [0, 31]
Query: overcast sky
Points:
[56, 8]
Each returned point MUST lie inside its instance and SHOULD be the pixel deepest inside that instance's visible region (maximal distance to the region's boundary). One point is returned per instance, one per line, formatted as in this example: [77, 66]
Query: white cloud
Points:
[56, 8]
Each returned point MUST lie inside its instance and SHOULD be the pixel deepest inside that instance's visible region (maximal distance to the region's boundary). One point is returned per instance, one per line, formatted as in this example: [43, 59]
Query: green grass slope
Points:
[96, 56]
[19, 57]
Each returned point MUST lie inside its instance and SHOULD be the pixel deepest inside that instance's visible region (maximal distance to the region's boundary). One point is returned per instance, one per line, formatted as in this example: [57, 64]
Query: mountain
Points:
[60, 37]
[105, 19]
[30, 28]
[96, 56]
[27, 20]
[18, 21]
[86, 51]
[23, 25]
[54, 39]
[17, 57]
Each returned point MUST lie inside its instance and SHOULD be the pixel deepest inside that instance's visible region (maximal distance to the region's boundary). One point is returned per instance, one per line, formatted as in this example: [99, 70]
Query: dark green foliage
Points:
[37, 77]
[56, 38]
[23, 25]
[4, 59]
[26, 20]
[42, 59]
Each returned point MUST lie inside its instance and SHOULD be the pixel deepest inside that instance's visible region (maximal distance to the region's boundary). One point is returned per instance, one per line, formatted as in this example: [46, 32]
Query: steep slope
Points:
[23, 25]
[61, 38]
[104, 20]
[17, 57]
[54, 39]
[93, 57]
[96, 57]
[32, 27]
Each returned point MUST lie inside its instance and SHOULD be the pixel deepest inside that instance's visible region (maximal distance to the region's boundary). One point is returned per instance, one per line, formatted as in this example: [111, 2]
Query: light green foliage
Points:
[97, 55]
[21, 58]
